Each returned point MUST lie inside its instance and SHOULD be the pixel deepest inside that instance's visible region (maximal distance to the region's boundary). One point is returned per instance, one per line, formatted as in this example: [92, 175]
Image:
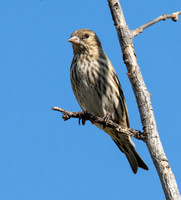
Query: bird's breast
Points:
[86, 86]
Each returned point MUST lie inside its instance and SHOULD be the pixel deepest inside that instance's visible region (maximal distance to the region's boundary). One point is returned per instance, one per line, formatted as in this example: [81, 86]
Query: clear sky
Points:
[44, 158]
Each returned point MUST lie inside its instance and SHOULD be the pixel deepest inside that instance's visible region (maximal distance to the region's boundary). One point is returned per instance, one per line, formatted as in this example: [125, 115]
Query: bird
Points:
[97, 89]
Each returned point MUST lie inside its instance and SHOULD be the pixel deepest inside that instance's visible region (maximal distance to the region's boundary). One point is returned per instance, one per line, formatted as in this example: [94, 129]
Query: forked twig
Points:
[173, 16]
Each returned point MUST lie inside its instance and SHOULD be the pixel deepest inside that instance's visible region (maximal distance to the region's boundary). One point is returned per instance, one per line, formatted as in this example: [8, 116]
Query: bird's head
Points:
[85, 41]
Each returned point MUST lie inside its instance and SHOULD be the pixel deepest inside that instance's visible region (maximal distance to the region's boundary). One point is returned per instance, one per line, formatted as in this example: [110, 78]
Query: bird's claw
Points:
[82, 117]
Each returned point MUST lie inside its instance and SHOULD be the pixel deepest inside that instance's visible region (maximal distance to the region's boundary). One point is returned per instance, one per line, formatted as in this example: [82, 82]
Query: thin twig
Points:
[98, 120]
[173, 16]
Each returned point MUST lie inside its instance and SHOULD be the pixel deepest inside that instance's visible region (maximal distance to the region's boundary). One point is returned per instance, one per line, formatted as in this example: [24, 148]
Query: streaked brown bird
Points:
[98, 90]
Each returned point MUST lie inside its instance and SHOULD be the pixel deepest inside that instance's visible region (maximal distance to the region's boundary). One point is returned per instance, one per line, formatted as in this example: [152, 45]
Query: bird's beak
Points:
[74, 40]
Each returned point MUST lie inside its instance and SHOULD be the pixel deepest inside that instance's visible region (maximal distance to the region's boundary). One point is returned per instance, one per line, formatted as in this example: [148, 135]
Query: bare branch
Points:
[98, 120]
[173, 16]
[142, 95]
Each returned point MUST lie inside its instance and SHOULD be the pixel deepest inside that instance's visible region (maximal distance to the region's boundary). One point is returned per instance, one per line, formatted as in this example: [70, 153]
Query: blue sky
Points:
[41, 156]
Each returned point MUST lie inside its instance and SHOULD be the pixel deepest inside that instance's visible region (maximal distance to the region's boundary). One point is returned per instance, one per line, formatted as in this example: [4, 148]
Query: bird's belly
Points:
[90, 101]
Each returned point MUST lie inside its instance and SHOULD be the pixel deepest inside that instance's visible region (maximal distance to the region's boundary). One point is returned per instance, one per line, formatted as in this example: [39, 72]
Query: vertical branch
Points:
[144, 103]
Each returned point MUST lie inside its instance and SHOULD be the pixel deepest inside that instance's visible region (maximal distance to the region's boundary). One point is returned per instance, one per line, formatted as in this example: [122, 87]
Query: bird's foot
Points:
[82, 117]
[105, 119]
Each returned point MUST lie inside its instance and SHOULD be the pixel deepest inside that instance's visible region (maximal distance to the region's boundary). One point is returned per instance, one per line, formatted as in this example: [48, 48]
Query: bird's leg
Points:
[105, 119]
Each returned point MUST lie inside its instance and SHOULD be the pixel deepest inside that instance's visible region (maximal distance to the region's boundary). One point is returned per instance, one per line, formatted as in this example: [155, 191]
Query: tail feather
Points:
[140, 161]
[132, 161]
[133, 157]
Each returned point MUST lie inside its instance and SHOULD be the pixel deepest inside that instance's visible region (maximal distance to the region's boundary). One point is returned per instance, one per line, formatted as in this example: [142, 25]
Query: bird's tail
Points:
[126, 146]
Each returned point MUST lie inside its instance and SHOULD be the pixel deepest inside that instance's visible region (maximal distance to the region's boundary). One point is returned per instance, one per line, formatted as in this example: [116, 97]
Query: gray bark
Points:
[142, 95]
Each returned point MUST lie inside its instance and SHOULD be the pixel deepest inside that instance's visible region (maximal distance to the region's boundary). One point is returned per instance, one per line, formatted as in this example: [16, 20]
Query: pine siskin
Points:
[98, 90]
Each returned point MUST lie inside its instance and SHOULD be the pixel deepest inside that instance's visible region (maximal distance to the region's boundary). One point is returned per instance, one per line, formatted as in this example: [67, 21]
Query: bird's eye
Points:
[86, 35]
